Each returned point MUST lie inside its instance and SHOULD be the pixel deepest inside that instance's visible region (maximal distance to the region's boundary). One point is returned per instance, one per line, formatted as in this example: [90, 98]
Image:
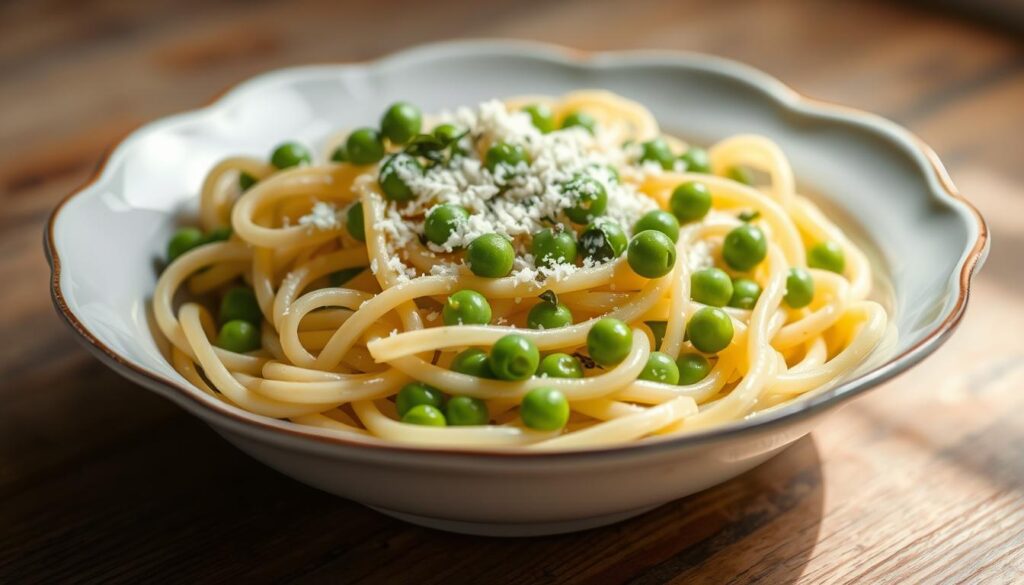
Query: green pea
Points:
[239, 336]
[240, 303]
[580, 119]
[506, 156]
[696, 160]
[711, 286]
[401, 122]
[659, 220]
[466, 307]
[544, 409]
[364, 146]
[344, 275]
[590, 199]
[545, 315]
[354, 221]
[603, 240]
[514, 357]
[740, 175]
[290, 154]
[799, 288]
[710, 329]
[340, 154]
[490, 255]
[609, 341]
[442, 221]
[560, 365]
[553, 246]
[651, 254]
[183, 240]
[395, 176]
[415, 394]
[658, 151]
[448, 133]
[660, 368]
[542, 117]
[827, 255]
[221, 234]
[467, 411]
[744, 247]
[426, 415]
[472, 362]
[690, 201]
[246, 181]
[745, 293]
[693, 368]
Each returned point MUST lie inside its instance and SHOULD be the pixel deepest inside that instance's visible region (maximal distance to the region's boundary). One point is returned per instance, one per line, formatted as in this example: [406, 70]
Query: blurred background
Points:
[101, 480]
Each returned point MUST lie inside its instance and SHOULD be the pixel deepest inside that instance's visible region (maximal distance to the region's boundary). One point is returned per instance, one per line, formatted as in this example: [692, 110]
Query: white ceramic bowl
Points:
[104, 239]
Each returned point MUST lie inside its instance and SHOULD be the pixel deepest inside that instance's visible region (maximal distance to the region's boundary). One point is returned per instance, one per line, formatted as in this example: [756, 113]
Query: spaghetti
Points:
[406, 289]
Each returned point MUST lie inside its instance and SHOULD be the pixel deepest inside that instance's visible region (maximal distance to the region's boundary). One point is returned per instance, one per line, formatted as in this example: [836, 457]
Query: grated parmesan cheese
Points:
[323, 216]
[698, 256]
[516, 202]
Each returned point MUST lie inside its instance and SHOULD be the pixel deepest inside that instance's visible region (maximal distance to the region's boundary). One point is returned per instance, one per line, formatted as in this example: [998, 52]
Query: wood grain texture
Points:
[920, 481]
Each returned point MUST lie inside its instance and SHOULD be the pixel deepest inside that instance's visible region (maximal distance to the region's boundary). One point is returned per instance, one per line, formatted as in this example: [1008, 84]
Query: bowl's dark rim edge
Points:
[799, 410]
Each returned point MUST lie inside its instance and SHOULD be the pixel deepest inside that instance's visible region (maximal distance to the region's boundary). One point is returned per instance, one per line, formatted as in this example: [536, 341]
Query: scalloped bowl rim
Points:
[939, 183]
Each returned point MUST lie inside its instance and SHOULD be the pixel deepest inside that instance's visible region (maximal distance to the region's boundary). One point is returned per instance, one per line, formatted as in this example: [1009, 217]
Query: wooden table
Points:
[920, 481]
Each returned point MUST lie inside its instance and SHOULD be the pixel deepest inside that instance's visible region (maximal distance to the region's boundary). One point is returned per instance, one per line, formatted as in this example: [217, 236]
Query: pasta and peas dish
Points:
[539, 273]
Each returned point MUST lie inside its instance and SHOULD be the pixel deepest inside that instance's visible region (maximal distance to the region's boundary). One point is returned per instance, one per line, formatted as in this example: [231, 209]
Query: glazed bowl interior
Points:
[107, 240]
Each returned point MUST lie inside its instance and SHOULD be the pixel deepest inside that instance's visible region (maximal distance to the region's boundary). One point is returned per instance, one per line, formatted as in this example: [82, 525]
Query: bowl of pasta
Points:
[511, 289]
